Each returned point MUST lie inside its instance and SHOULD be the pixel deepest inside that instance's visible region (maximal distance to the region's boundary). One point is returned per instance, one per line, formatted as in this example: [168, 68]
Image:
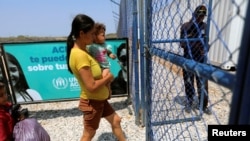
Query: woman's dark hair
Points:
[83, 23]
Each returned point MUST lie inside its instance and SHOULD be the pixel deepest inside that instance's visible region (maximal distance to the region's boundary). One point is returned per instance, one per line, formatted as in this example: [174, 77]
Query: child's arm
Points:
[111, 55]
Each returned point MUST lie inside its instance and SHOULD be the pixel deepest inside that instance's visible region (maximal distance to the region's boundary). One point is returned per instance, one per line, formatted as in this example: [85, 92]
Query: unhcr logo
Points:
[60, 83]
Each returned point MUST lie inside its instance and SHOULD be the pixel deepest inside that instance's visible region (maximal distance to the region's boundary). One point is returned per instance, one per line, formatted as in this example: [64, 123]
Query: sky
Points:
[52, 17]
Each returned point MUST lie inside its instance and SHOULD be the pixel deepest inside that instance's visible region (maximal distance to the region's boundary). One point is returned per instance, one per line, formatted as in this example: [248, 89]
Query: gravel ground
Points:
[63, 121]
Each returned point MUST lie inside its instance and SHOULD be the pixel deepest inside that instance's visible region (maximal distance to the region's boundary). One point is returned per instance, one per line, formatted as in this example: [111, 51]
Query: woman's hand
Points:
[109, 76]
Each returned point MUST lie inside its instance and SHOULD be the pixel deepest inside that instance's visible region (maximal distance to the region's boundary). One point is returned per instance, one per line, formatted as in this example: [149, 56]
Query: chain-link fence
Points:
[183, 63]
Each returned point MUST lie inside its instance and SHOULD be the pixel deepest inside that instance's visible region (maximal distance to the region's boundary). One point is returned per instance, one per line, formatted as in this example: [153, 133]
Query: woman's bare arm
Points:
[89, 81]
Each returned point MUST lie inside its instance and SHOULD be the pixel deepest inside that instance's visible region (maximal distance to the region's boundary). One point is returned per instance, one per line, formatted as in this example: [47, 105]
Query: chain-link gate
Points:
[161, 83]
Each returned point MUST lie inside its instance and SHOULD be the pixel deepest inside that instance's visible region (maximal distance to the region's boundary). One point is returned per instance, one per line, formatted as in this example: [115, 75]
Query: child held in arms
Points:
[100, 51]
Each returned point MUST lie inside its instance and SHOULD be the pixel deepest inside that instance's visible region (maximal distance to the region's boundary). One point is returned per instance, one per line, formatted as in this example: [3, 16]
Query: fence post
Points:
[240, 113]
[148, 63]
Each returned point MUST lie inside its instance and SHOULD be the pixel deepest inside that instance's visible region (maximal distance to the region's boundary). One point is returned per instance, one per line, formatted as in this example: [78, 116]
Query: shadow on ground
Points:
[181, 100]
[54, 113]
[108, 136]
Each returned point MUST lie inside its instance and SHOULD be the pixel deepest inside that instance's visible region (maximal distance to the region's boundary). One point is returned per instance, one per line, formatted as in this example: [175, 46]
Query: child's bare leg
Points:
[104, 73]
